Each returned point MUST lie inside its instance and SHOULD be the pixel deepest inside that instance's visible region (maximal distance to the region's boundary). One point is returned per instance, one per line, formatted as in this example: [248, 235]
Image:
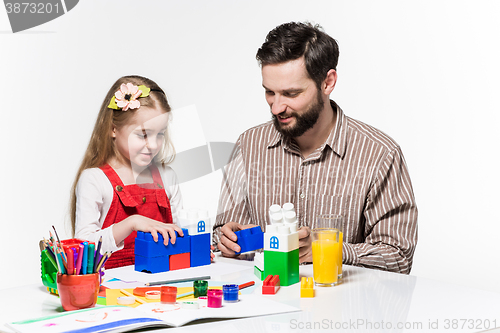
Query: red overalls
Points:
[148, 200]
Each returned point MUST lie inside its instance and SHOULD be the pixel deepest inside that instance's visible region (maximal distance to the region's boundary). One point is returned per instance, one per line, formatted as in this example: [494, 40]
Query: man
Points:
[313, 155]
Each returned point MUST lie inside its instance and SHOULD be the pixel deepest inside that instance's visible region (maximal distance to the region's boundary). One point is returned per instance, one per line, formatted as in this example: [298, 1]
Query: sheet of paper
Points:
[214, 270]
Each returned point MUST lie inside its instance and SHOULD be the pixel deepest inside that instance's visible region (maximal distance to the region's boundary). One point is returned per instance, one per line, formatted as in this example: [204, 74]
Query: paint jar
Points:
[200, 288]
[230, 292]
[214, 298]
[78, 291]
[168, 295]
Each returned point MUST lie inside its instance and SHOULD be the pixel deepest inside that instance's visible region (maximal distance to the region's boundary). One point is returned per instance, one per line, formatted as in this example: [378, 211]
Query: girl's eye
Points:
[142, 136]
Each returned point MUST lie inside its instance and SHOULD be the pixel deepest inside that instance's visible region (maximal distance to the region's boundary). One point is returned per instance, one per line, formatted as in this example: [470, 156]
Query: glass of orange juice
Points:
[333, 221]
[325, 245]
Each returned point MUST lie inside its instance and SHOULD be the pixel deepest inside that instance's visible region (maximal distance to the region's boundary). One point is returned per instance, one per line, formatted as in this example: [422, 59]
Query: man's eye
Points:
[270, 93]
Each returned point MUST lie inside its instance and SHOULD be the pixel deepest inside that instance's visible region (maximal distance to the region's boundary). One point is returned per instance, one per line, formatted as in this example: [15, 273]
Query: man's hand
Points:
[305, 248]
[227, 243]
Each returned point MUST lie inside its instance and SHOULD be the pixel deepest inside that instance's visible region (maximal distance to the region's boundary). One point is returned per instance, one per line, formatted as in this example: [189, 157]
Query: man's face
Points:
[293, 97]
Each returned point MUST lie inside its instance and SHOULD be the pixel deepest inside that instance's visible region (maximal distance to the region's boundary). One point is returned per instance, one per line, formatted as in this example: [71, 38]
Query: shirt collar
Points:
[336, 141]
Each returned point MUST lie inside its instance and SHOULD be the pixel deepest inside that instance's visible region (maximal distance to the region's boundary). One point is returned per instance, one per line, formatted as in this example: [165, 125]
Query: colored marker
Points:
[90, 256]
[97, 257]
[84, 258]
[71, 262]
[79, 259]
[75, 257]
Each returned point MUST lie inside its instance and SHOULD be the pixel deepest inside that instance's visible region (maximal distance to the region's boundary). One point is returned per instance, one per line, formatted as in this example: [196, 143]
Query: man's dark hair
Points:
[293, 40]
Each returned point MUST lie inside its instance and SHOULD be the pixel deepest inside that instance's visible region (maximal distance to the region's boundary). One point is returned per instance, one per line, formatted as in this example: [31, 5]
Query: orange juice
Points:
[339, 254]
[325, 260]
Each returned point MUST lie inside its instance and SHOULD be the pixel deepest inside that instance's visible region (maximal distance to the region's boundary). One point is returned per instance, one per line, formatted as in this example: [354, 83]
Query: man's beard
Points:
[303, 122]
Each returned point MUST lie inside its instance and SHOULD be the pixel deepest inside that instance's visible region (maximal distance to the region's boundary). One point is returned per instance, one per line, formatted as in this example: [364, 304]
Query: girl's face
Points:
[140, 140]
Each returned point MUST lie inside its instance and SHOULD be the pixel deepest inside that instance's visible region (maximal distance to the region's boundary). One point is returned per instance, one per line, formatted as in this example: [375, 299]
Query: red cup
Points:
[78, 291]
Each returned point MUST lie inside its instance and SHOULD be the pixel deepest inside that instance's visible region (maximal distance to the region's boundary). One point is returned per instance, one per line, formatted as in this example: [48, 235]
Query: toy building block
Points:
[196, 221]
[284, 264]
[271, 285]
[153, 257]
[306, 287]
[258, 273]
[250, 239]
[152, 264]
[281, 245]
[281, 238]
[200, 250]
[258, 269]
[145, 245]
[49, 272]
[179, 261]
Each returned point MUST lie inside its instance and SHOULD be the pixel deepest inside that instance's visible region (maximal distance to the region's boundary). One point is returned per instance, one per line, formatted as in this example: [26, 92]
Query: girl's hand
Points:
[145, 224]
[132, 223]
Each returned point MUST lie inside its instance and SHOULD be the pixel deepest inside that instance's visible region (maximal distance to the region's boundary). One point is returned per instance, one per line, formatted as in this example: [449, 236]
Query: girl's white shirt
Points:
[94, 194]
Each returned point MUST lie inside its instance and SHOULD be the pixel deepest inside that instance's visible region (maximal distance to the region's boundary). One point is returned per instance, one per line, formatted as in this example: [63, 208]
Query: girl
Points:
[123, 184]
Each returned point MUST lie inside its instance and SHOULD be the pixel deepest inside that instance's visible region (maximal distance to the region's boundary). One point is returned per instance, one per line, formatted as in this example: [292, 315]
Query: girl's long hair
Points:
[101, 146]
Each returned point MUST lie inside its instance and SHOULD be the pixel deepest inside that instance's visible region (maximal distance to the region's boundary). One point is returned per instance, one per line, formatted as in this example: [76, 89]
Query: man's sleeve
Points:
[233, 200]
[390, 220]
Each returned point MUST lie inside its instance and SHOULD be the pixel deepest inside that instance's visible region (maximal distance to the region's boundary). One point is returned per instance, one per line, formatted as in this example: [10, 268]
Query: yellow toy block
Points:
[306, 287]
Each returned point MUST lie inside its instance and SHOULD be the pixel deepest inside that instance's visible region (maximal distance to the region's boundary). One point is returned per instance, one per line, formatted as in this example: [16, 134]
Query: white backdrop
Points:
[425, 72]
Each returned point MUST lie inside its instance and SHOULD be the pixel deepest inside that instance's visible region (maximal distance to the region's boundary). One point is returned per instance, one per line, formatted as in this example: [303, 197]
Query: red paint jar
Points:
[168, 295]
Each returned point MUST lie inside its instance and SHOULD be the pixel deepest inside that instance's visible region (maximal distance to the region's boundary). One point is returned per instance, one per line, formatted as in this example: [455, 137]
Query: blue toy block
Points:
[250, 239]
[145, 245]
[152, 264]
[200, 250]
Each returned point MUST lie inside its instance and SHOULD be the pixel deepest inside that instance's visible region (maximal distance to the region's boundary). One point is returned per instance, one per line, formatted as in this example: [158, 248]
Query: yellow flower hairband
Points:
[127, 97]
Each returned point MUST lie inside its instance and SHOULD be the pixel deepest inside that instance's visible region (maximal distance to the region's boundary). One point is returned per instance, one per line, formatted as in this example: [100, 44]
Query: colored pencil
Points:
[97, 254]
[245, 285]
[177, 281]
[102, 261]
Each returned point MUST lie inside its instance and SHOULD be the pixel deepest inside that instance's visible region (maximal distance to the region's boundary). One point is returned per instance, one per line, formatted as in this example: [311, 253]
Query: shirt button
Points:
[302, 195]
[143, 199]
[119, 188]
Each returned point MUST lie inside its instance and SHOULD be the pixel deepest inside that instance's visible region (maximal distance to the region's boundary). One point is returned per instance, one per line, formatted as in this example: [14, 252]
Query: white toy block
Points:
[280, 238]
[258, 260]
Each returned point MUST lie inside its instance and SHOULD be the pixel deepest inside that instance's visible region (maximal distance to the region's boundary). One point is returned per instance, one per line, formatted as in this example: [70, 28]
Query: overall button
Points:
[144, 200]
[119, 188]
[159, 185]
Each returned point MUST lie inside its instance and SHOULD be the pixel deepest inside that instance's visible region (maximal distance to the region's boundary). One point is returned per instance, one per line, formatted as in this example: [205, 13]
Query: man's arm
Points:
[390, 220]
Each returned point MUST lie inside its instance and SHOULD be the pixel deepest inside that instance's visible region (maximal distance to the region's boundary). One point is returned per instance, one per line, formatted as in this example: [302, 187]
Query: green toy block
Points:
[284, 264]
[49, 273]
[258, 273]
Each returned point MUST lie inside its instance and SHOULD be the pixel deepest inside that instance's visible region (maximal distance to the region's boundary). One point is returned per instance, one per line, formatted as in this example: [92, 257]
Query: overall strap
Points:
[118, 186]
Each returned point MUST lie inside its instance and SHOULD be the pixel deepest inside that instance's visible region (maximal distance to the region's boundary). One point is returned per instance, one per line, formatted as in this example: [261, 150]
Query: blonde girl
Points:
[123, 184]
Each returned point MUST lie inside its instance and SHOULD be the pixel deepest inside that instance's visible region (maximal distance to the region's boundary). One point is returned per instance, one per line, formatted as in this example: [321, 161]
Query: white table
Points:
[367, 301]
